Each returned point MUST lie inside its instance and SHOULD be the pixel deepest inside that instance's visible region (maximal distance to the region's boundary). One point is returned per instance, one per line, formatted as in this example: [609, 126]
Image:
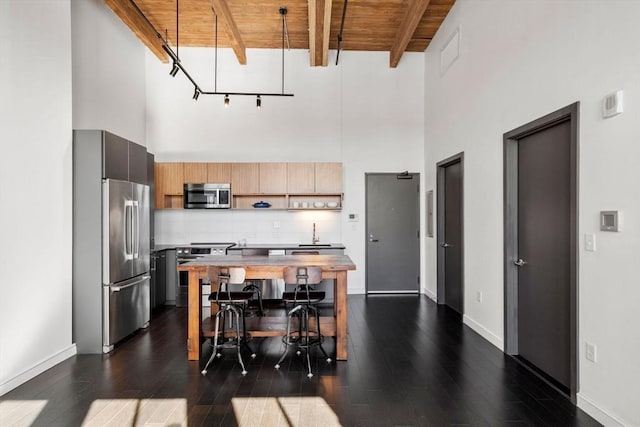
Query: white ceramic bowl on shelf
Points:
[332, 204]
[318, 204]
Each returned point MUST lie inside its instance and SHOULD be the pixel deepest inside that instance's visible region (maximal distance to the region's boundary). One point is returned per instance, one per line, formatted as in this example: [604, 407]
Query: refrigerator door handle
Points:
[136, 230]
[128, 232]
[128, 285]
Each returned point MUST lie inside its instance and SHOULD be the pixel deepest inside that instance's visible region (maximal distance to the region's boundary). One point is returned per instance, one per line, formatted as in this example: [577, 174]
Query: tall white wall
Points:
[519, 61]
[35, 188]
[361, 113]
[108, 72]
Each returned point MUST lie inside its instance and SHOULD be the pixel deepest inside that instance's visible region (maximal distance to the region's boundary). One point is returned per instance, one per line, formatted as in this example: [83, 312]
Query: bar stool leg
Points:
[286, 340]
[215, 344]
[308, 343]
[238, 338]
[317, 315]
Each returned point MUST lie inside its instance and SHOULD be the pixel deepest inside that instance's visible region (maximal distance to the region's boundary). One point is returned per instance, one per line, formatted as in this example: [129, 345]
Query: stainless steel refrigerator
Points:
[111, 242]
[126, 260]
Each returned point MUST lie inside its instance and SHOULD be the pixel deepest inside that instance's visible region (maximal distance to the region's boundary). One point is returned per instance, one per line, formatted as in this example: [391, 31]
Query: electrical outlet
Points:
[591, 352]
[479, 296]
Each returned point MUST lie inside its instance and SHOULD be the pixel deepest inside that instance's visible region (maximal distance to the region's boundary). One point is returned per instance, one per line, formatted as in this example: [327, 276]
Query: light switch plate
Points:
[590, 242]
[353, 217]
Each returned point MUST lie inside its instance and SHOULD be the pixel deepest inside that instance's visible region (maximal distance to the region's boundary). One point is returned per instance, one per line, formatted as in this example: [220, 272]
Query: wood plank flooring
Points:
[411, 363]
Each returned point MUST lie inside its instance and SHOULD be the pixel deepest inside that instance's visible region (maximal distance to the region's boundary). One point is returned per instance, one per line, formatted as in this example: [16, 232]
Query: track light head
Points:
[258, 102]
[174, 70]
[196, 94]
[226, 101]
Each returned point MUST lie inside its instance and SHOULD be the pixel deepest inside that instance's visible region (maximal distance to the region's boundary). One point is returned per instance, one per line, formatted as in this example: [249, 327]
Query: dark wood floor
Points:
[411, 363]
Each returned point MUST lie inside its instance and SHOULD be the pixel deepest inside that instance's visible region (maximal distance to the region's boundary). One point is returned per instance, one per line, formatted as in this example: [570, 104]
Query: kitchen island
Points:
[269, 267]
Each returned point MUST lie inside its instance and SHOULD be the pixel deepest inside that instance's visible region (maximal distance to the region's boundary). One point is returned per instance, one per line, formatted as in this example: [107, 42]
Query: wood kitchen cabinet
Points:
[273, 178]
[169, 185]
[219, 173]
[195, 173]
[293, 186]
[301, 178]
[328, 178]
[245, 178]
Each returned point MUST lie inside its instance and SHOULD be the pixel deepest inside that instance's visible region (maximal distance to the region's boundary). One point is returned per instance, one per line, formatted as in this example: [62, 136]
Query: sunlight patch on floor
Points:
[20, 412]
[137, 412]
[283, 411]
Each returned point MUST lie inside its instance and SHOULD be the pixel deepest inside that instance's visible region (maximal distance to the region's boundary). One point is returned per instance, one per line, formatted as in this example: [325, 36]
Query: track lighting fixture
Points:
[177, 65]
[174, 70]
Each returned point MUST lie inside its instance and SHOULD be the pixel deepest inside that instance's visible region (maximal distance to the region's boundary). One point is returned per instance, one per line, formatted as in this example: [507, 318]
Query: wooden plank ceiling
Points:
[395, 26]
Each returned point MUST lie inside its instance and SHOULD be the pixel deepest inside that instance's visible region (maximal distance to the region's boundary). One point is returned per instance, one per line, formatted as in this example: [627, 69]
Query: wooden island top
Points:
[269, 267]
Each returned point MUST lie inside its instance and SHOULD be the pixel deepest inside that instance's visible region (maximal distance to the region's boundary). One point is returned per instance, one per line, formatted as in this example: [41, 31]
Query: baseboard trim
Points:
[429, 294]
[37, 369]
[484, 332]
[600, 415]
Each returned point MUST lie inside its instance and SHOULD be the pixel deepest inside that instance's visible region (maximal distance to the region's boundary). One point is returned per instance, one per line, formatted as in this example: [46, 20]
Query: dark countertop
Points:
[163, 247]
[289, 246]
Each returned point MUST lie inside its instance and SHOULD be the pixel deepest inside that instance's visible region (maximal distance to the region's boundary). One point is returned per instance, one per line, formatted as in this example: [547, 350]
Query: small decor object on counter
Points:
[295, 205]
[262, 204]
[318, 204]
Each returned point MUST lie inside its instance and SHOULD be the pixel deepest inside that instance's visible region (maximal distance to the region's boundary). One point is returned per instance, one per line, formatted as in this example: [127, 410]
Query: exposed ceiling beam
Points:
[412, 18]
[319, 30]
[221, 8]
[131, 15]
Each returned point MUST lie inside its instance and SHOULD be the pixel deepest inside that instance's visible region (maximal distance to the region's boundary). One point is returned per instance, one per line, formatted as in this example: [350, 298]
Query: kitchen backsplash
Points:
[185, 226]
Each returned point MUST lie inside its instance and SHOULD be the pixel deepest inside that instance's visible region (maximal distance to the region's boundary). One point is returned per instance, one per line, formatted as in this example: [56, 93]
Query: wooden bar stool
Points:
[232, 303]
[305, 301]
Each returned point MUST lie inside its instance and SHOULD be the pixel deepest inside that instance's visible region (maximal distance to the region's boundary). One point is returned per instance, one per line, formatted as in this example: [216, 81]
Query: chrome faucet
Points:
[316, 239]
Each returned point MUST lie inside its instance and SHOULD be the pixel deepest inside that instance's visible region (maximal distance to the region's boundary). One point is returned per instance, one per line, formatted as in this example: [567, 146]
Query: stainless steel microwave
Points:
[207, 196]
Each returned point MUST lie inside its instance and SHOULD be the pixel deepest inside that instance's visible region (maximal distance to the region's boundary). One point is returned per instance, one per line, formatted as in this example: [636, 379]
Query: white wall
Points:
[534, 58]
[361, 113]
[35, 189]
[108, 72]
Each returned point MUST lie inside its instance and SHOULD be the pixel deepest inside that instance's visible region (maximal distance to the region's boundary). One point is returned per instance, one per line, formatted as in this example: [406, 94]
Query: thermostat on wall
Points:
[610, 221]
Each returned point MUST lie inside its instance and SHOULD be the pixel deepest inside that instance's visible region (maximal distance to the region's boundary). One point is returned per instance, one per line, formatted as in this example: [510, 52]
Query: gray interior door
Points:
[451, 240]
[392, 225]
[544, 250]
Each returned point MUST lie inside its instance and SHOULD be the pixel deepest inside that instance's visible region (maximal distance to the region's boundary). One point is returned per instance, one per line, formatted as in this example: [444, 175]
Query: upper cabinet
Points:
[301, 178]
[122, 159]
[195, 173]
[245, 178]
[283, 185]
[169, 185]
[219, 173]
[328, 178]
[273, 178]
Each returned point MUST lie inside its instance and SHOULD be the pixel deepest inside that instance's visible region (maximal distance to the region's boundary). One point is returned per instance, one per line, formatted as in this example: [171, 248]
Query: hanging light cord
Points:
[215, 61]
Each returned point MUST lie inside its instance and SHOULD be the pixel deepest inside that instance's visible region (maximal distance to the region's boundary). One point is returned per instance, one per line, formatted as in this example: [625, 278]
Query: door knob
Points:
[445, 245]
[520, 262]
[371, 239]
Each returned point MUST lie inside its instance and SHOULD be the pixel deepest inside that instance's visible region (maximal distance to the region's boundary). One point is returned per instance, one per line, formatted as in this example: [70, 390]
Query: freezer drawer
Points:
[126, 309]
